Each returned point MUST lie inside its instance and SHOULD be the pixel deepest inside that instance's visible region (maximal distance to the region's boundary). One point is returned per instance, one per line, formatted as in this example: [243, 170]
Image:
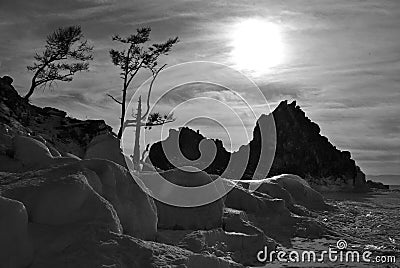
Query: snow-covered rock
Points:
[59, 196]
[301, 192]
[105, 146]
[34, 155]
[16, 250]
[273, 189]
[135, 208]
[204, 217]
[255, 203]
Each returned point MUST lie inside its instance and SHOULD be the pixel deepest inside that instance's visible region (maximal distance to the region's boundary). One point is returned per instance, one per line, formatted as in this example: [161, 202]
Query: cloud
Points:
[342, 68]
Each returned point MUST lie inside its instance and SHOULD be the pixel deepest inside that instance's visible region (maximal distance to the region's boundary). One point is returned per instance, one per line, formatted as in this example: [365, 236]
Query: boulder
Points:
[15, 243]
[135, 208]
[300, 191]
[59, 196]
[255, 203]
[105, 146]
[31, 152]
[34, 155]
[204, 217]
[272, 189]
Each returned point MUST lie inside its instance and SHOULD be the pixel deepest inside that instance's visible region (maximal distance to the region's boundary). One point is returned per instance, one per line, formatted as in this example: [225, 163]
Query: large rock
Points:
[301, 192]
[32, 154]
[16, 250]
[204, 217]
[76, 191]
[59, 196]
[255, 203]
[135, 208]
[106, 146]
[272, 189]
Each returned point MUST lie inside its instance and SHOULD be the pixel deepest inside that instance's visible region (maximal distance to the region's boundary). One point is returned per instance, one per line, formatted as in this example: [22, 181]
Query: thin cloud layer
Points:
[341, 61]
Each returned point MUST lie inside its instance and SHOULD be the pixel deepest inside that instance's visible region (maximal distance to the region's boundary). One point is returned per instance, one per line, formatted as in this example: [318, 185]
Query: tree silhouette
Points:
[65, 54]
[135, 56]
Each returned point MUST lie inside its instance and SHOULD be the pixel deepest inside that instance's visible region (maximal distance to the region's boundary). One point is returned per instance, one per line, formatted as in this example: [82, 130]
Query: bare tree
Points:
[147, 120]
[137, 55]
[65, 54]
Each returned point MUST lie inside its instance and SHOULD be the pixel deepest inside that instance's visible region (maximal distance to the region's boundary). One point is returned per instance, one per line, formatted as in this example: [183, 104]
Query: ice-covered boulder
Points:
[34, 154]
[301, 192]
[204, 217]
[135, 208]
[273, 189]
[255, 203]
[31, 152]
[16, 249]
[105, 146]
[59, 196]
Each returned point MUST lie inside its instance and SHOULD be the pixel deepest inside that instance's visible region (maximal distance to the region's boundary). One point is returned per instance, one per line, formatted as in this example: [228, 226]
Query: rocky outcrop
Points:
[197, 151]
[68, 135]
[300, 150]
[303, 151]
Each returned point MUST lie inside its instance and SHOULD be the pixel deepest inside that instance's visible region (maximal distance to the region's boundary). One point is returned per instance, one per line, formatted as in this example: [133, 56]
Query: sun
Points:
[257, 45]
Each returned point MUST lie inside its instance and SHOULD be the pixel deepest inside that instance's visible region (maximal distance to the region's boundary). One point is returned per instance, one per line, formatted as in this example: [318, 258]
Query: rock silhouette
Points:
[300, 150]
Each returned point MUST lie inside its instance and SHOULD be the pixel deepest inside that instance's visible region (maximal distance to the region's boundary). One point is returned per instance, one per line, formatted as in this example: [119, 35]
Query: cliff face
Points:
[66, 134]
[300, 150]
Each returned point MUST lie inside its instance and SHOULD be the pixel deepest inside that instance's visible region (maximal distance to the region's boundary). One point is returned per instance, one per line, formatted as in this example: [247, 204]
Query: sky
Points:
[339, 59]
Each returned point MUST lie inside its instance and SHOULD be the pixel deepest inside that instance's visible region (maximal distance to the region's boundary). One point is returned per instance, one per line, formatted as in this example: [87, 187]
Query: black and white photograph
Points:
[199, 133]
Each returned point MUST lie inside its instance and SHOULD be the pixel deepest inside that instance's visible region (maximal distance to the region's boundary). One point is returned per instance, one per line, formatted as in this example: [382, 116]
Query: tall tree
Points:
[65, 54]
[135, 56]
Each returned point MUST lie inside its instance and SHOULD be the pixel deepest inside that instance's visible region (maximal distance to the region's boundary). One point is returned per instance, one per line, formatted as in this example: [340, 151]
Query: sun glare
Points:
[257, 45]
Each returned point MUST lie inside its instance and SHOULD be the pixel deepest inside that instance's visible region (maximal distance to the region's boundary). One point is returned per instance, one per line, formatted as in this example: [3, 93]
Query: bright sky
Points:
[340, 59]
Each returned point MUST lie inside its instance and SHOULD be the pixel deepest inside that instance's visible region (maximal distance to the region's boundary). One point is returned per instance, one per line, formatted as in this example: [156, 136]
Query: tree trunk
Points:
[30, 92]
[136, 147]
[123, 109]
